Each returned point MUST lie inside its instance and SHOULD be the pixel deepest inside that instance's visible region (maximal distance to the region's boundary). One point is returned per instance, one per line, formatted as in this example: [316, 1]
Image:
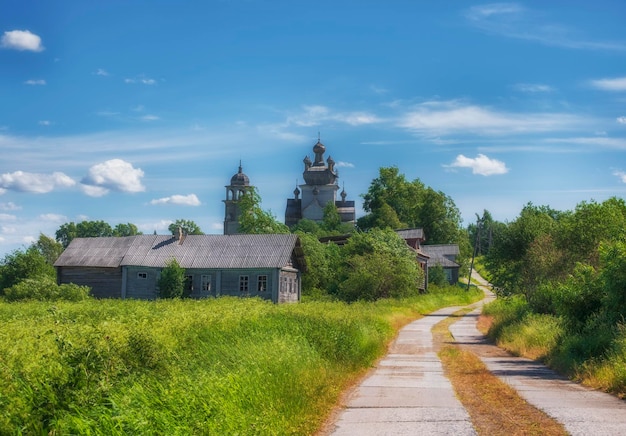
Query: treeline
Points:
[374, 263]
[570, 268]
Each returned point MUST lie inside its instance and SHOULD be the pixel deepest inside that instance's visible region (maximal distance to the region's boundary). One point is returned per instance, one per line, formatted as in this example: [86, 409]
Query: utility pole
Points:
[476, 242]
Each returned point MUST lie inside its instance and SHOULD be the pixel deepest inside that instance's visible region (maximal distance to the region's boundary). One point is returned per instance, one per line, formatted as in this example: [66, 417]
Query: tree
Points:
[84, 229]
[254, 220]
[172, 281]
[322, 262]
[128, 229]
[188, 227]
[20, 265]
[393, 202]
[49, 248]
[378, 264]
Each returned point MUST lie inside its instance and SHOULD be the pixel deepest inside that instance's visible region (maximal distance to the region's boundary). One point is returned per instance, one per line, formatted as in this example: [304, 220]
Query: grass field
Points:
[225, 366]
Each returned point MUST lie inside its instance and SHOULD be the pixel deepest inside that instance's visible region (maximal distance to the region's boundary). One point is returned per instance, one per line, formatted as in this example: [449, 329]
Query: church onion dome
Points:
[240, 179]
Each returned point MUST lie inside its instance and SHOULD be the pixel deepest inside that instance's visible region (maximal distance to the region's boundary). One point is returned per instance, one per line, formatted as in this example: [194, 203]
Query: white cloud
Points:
[36, 183]
[21, 40]
[600, 141]
[481, 165]
[182, 200]
[45, 123]
[533, 87]
[35, 82]
[150, 118]
[9, 206]
[7, 217]
[621, 175]
[141, 80]
[621, 120]
[514, 21]
[53, 217]
[101, 72]
[342, 164]
[437, 118]
[316, 114]
[615, 84]
[114, 174]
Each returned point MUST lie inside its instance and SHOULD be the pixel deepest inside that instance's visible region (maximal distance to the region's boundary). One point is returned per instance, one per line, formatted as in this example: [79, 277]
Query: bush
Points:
[437, 276]
[46, 289]
[172, 280]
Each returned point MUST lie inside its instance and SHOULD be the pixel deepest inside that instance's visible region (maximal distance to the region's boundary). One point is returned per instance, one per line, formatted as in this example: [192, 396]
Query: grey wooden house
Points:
[444, 255]
[265, 266]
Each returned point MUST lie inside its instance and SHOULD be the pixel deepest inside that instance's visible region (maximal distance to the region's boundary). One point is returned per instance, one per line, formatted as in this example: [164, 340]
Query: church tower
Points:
[319, 188]
[239, 186]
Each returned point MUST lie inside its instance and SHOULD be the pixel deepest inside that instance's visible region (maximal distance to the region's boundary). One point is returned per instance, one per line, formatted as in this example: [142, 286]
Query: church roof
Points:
[240, 179]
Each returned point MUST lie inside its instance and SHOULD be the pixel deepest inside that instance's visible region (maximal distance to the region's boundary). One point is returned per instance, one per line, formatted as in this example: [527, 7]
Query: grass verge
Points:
[224, 366]
[494, 407]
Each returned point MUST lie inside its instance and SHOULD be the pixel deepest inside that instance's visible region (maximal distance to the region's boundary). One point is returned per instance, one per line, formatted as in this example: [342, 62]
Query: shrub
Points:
[172, 280]
[46, 289]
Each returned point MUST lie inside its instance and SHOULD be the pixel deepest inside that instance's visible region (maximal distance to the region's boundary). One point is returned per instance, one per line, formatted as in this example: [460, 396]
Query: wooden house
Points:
[265, 266]
[444, 255]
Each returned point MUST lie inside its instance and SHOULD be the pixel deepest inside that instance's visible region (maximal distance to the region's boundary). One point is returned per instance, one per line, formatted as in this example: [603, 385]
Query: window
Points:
[262, 284]
[188, 283]
[243, 283]
[206, 283]
[142, 275]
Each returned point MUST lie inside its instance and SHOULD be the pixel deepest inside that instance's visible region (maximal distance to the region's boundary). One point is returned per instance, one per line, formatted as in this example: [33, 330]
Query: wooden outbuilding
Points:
[265, 266]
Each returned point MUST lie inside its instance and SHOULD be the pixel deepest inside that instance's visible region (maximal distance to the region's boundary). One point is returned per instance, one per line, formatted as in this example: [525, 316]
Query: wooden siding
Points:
[289, 290]
[230, 283]
[104, 282]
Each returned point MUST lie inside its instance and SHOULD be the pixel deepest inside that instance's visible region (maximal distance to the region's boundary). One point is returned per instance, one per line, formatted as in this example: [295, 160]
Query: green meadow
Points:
[219, 366]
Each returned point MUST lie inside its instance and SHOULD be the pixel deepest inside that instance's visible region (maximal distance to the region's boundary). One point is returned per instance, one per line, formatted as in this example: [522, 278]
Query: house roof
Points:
[416, 233]
[192, 251]
[442, 254]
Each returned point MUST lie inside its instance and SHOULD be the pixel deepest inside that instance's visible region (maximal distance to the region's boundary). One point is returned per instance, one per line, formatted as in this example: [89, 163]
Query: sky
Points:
[141, 111]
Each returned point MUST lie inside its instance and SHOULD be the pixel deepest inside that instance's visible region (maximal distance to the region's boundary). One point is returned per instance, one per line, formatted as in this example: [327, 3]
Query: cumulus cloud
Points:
[621, 120]
[621, 175]
[34, 82]
[45, 123]
[101, 72]
[21, 40]
[481, 165]
[440, 118]
[115, 175]
[614, 84]
[182, 200]
[36, 183]
[7, 217]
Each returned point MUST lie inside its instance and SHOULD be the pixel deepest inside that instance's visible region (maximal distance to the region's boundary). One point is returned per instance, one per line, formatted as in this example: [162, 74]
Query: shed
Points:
[265, 266]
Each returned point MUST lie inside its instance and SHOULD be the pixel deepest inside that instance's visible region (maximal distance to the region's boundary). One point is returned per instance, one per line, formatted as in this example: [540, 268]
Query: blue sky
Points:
[140, 111]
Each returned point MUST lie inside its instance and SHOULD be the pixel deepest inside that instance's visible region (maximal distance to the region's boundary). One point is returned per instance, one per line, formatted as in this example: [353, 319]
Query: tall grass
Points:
[224, 366]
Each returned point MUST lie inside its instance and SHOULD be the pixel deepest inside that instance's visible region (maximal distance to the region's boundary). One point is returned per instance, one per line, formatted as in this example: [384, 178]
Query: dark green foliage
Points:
[172, 281]
[437, 276]
[20, 265]
[322, 261]
[84, 229]
[393, 202]
[188, 227]
[128, 229]
[45, 289]
[49, 248]
[254, 220]
[378, 264]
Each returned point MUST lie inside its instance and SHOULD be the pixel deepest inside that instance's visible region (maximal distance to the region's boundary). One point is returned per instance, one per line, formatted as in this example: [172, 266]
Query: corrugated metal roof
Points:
[416, 233]
[195, 251]
[442, 254]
